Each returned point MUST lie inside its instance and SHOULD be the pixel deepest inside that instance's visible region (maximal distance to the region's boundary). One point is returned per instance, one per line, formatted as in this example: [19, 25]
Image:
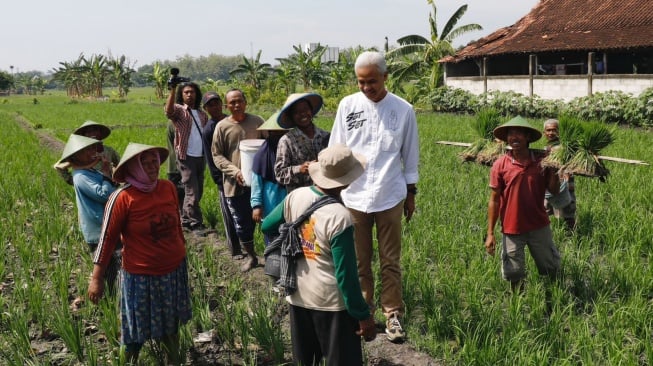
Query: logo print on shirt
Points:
[161, 226]
[310, 246]
[355, 120]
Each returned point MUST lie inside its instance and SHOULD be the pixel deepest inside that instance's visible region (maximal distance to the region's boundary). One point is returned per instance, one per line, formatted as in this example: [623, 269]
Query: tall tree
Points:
[416, 58]
[6, 81]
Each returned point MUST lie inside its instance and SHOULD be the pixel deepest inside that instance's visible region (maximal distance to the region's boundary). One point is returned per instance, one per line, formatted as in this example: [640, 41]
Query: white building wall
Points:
[564, 87]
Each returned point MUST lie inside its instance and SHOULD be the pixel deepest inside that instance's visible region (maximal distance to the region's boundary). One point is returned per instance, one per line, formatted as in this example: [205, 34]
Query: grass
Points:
[459, 310]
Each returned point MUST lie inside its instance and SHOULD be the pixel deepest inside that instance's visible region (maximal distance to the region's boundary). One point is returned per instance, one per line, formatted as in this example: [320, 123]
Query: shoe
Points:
[250, 262]
[393, 329]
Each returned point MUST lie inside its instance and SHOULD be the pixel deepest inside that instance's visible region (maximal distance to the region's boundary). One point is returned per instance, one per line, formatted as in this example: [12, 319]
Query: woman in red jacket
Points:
[155, 296]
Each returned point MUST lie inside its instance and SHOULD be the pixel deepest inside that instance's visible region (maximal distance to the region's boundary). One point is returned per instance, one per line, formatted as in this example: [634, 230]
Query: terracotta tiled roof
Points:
[561, 25]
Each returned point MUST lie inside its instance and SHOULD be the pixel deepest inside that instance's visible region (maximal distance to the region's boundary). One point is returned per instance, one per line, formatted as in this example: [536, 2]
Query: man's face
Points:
[551, 132]
[236, 104]
[188, 95]
[517, 138]
[214, 108]
[371, 82]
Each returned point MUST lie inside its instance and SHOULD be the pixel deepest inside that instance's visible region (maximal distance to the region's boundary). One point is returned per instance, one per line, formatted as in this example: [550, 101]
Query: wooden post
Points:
[484, 74]
[532, 67]
[590, 72]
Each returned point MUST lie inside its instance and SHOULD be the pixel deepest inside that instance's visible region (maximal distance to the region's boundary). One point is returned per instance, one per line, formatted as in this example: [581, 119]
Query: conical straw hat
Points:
[134, 149]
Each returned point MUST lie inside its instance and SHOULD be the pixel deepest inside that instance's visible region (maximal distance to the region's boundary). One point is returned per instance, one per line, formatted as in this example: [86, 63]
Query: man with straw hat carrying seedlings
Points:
[328, 314]
[518, 184]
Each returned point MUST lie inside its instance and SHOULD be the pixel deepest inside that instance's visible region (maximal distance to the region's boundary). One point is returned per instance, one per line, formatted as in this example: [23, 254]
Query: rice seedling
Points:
[484, 148]
[266, 331]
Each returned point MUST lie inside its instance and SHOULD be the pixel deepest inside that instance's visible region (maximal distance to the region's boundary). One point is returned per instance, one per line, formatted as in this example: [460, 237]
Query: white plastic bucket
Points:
[248, 149]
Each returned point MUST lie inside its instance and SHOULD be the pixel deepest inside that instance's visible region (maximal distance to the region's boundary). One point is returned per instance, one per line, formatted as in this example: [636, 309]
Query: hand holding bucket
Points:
[248, 149]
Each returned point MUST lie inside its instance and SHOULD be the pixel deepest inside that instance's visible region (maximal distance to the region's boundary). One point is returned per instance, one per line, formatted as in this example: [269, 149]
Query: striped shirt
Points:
[183, 120]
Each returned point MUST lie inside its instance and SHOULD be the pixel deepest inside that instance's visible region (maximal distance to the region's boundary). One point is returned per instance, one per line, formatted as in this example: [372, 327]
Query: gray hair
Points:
[371, 58]
[551, 121]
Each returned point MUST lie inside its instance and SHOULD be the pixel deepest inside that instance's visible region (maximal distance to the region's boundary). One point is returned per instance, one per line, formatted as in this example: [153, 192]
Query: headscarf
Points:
[265, 158]
[136, 176]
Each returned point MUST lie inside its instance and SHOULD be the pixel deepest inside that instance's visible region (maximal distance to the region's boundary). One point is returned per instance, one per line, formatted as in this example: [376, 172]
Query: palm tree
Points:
[416, 58]
[253, 71]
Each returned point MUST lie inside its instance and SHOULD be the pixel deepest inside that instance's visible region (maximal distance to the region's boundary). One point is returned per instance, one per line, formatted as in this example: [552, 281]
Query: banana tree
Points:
[253, 71]
[307, 66]
[159, 77]
[121, 74]
[416, 58]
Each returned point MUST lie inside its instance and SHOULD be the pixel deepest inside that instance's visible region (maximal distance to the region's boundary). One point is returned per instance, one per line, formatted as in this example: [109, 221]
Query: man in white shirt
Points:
[382, 127]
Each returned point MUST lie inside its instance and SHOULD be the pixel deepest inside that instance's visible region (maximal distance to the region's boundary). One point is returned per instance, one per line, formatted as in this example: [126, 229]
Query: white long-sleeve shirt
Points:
[386, 134]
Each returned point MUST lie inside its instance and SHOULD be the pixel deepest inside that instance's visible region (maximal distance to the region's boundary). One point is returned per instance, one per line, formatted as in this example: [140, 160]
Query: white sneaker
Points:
[393, 329]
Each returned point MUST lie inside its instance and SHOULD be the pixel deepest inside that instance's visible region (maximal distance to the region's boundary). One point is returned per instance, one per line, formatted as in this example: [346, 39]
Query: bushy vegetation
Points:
[609, 107]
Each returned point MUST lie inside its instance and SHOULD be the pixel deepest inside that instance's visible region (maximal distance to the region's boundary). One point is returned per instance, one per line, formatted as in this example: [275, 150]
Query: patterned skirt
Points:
[154, 306]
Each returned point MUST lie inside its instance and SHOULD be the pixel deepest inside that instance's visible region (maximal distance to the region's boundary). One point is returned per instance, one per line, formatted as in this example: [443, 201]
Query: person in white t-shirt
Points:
[184, 110]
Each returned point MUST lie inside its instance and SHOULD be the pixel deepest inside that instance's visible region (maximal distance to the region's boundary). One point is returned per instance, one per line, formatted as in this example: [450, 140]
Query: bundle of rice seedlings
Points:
[487, 120]
[570, 131]
[587, 164]
[595, 137]
[491, 152]
[470, 153]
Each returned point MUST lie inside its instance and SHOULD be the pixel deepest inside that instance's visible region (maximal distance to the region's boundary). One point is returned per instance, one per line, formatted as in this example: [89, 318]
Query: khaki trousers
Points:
[388, 234]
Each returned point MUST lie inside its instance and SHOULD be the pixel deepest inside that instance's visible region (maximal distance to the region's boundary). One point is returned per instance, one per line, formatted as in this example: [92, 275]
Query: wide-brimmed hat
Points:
[75, 144]
[336, 166]
[315, 100]
[209, 96]
[501, 132]
[271, 124]
[104, 130]
[132, 150]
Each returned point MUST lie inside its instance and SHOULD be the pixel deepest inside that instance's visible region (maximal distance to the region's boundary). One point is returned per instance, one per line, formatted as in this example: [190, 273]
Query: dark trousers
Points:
[241, 212]
[192, 177]
[229, 226]
[319, 334]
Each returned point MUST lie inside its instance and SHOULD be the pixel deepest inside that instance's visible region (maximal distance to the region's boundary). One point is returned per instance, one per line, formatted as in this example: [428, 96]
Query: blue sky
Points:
[38, 34]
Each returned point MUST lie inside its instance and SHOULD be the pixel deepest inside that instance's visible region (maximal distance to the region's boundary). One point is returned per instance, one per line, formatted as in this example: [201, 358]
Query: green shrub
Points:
[455, 100]
[609, 107]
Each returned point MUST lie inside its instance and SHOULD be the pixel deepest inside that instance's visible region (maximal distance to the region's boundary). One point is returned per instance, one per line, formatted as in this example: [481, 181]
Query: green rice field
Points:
[458, 309]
